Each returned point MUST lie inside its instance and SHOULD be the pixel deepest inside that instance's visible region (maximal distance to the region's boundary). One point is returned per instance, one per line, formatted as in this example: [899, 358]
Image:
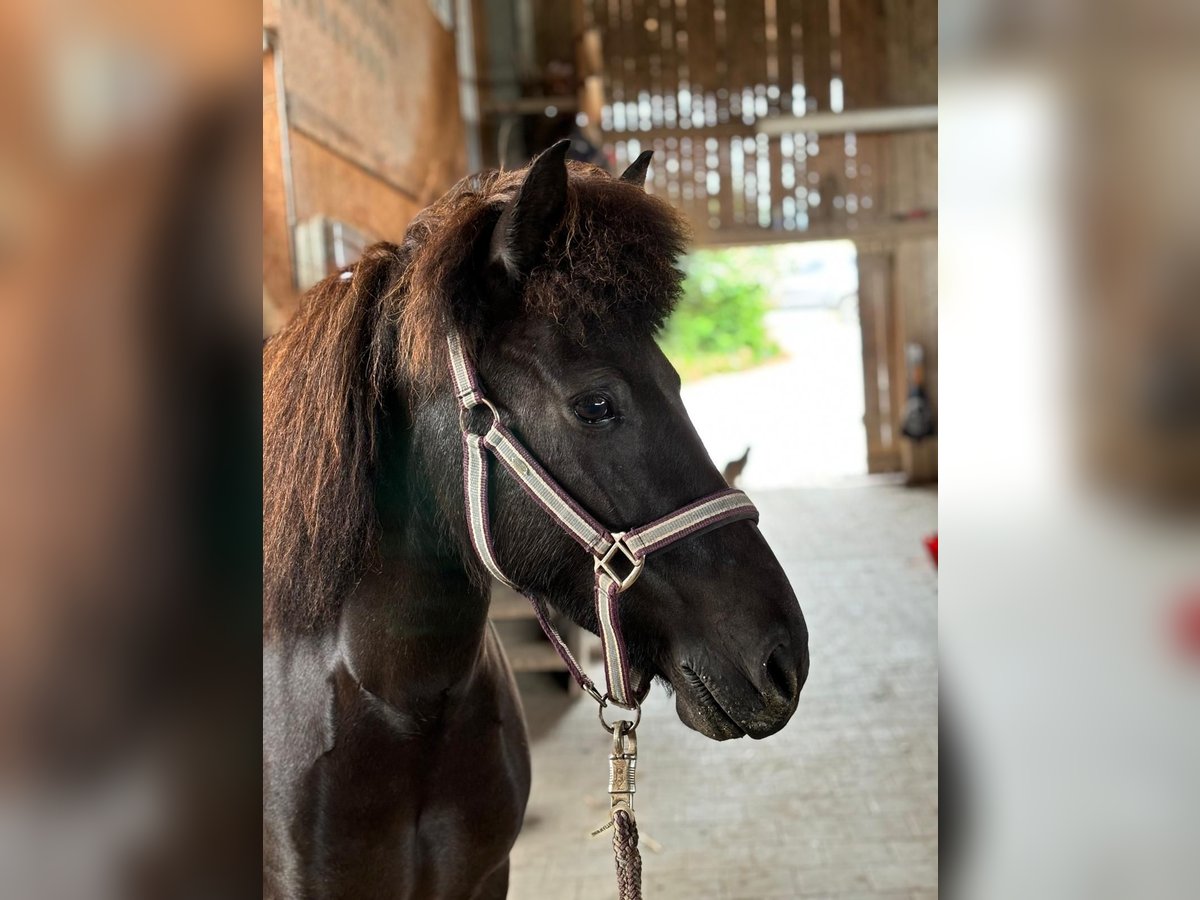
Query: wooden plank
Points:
[864, 55]
[912, 172]
[378, 84]
[865, 184]
[330, 185]
[644, 78]
[480, 42]
[276, 239]
[725, 188]
[868, 315]
[875, 280]
[721, 55]
[911, 66]
[820, 123]
[925, 51]
[919, 460]
[874, 155]
[734, 51]
[900, 175]
[926, 171]
[876, 119]
[822, 216]
[916, 285]
[554, 32]
[754, 47]
[702, 45]
[735, 236]
[609, 47]
[666, 66]
[589, 54]
[784, 16]
[778, 192]
[916, 298]
[849, 49]
[633, 35]
[816, 48]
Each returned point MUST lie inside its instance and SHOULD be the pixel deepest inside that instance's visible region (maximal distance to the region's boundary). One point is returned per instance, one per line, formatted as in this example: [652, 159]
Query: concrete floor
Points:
[842, 803]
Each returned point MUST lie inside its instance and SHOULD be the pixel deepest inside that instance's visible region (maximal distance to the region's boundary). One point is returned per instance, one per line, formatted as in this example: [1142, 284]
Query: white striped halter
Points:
[635, 545]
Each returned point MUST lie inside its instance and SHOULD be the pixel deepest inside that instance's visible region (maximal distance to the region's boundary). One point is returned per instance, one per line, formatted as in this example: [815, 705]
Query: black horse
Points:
[395, 758]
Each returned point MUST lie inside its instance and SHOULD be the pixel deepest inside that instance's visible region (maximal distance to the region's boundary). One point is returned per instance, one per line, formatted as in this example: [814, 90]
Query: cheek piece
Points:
[633, 546]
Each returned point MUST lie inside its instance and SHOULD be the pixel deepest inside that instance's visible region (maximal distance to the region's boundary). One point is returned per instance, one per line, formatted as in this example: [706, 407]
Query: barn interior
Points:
[800, 141]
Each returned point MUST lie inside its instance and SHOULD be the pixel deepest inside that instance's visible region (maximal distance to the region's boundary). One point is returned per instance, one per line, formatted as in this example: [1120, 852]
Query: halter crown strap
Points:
[606, 548]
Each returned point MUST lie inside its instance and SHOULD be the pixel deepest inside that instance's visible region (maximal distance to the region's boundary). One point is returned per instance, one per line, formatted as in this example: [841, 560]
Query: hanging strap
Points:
[605, 547]
[479, 528]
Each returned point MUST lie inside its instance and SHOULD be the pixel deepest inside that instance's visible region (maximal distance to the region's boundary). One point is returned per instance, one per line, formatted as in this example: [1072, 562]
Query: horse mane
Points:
[380, 327]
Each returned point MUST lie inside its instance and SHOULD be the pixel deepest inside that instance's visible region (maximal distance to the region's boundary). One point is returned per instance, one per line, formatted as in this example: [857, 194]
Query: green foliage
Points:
[720, 322]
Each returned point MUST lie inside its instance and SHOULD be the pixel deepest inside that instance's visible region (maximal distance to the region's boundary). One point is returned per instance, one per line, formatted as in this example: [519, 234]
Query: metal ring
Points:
[636, 709]
[464, 411]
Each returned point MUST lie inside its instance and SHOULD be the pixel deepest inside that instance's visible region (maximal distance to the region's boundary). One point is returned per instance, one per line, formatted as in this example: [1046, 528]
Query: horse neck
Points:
[414, 627]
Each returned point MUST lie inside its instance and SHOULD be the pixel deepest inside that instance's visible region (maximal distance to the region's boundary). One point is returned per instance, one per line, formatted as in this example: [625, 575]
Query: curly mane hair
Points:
[380, 327]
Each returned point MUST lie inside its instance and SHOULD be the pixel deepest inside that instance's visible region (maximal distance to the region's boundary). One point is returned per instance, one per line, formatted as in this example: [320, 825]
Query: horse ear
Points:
[520, 235]
[636, 173]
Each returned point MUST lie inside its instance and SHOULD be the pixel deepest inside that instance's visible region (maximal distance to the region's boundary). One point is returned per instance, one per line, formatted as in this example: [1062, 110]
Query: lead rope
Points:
[629, 858]
[622, 784]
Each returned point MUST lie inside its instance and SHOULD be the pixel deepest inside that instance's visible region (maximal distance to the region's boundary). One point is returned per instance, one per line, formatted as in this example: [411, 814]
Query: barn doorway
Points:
[785, 408]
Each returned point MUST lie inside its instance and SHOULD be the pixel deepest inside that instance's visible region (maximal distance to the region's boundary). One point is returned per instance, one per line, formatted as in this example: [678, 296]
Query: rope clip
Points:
[622, 772]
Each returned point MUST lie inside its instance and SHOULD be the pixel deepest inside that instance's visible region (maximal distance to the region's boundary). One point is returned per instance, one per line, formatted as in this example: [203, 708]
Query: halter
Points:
[633, 546]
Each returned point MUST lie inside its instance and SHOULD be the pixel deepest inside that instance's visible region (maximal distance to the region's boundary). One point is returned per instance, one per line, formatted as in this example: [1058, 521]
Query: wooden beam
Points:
[727, 129]
[863, 121]
[866, 231]
[900, 118]
[531, 106]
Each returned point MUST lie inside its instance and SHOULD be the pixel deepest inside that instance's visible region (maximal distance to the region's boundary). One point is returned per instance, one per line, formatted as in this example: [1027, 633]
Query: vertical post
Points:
[468, 83]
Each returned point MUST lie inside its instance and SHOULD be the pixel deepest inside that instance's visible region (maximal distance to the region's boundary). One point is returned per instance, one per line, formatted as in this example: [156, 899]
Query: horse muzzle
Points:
[722, 700]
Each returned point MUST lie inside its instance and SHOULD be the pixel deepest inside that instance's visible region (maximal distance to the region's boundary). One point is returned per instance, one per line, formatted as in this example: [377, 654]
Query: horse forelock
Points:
[381, 327]
[610, 262]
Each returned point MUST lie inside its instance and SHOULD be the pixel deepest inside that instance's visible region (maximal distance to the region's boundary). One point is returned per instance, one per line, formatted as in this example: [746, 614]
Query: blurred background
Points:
[1070, 436]
[800, 141]
[1018, 271]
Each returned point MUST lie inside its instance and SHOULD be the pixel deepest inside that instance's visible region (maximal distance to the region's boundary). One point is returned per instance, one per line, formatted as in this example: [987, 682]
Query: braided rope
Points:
[629, 858]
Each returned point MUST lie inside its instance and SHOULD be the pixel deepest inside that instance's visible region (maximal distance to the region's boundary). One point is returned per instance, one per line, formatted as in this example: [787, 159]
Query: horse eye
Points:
[593, 408]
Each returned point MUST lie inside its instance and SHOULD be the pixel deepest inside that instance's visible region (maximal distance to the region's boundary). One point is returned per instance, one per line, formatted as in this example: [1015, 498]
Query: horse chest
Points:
[390, 812]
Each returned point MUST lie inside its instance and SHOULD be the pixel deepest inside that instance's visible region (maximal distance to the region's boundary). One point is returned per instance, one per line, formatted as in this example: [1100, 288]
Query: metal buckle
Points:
[602, 562]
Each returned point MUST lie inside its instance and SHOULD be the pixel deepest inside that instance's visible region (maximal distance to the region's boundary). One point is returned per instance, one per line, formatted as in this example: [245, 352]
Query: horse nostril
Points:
[781, 672]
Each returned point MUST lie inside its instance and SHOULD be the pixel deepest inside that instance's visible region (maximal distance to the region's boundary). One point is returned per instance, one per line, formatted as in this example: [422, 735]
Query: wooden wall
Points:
[897, 299]
[279, 295]
[695, 80]
[374, 127]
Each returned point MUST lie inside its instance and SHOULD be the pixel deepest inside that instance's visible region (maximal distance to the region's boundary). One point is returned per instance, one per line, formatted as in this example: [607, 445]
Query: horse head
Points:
[577, 271]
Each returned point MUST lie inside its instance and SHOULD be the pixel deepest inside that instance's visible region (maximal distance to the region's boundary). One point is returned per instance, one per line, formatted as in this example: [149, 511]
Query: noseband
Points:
[633, 546]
